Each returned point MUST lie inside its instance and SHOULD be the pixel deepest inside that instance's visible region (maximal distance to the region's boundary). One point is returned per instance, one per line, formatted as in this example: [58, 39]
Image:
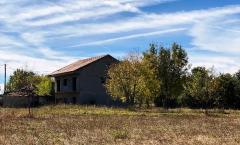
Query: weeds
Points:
[120, 134]
[70, 124]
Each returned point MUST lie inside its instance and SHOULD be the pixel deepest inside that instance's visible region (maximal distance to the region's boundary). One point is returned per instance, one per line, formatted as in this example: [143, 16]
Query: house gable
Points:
[88, 85]
[80, 64]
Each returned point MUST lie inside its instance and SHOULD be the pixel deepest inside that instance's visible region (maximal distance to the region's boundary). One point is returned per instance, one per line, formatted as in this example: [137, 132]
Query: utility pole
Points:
[5, 78]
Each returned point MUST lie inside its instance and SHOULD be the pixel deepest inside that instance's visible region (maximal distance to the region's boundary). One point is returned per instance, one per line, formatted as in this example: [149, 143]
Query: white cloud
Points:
[6, 40]
[27, 28]
[40, 65]
[224, 64]
[50, 13]
[28, 45]
[33, 38]
[21, 43]
[145, 21]
[131, 37]
[214, 35]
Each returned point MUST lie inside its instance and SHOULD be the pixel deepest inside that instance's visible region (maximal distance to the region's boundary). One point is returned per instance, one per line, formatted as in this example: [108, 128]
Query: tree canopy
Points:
[22, 78]
[163, 76]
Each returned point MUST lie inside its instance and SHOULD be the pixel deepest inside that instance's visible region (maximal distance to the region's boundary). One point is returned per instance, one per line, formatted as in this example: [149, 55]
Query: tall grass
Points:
[72, 124]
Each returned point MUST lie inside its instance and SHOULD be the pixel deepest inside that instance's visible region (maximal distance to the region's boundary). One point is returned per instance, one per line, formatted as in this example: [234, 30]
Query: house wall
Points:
[92, 88]
[90, 84]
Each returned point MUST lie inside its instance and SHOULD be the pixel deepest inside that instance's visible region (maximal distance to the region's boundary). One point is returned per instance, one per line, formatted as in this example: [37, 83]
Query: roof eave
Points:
[60, 74]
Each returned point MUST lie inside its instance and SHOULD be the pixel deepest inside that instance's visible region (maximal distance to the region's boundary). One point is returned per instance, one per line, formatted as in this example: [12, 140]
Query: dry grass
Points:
[98, 125]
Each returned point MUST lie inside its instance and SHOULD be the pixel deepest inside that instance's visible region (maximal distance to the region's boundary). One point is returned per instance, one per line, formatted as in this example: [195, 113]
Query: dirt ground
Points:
[73, 125]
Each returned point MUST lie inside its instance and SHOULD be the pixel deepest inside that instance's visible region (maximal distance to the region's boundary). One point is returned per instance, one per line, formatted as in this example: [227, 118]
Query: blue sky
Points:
[43, 35]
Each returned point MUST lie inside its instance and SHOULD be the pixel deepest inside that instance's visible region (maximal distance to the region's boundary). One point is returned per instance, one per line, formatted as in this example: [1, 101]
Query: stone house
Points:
[82, 82]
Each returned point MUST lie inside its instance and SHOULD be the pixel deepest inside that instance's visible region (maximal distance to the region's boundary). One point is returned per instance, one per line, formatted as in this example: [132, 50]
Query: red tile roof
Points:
[77, 65]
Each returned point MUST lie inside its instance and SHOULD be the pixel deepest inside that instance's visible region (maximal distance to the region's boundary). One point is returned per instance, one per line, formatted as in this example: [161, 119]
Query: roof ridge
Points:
[78, 64]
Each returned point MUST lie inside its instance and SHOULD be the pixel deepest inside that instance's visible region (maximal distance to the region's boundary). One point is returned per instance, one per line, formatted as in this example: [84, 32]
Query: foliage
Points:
[161, 76]
[44, 87]
[157, 76]
[149, 84]
[200, 88]
[172, 70]
[237, 75]
[23, 78]
[20, 78]
[229, 91]
[123, 79]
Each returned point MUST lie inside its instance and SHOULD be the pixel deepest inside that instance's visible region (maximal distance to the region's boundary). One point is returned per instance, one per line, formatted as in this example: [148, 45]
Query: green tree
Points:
[228, 91]
[149, 85]
[44, 86]
[172, 71]
[123, 80]
[237, 75]
[20, 78]
[201, 88]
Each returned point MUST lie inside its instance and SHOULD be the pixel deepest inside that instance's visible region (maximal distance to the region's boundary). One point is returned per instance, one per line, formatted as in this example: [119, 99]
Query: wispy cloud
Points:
[32, 31]
[50, 13]
[215, 35]
[26, 26]
[40, 65]
[223, 64]
[131, 37]
[145, 21]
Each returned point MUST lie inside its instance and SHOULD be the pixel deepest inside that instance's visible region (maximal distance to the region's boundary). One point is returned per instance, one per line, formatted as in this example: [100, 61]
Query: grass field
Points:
[70, 125]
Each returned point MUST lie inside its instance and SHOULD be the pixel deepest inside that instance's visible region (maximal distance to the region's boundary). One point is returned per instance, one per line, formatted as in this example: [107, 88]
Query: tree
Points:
[149, 85]
[172, 71]
[156, 77]
[237, 78]
[237, 75]
[123, 80]
[229, 91]
[201, 88]
[44, 86]
[20, 78]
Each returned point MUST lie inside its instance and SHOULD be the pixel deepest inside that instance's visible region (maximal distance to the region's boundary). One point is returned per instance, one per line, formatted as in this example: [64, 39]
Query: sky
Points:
[45, 35]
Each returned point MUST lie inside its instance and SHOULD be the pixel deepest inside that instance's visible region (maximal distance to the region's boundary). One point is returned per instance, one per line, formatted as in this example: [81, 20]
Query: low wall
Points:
[18, 101]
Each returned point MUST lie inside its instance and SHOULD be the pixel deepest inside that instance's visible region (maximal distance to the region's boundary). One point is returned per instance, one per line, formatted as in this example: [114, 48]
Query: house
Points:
[82, 82]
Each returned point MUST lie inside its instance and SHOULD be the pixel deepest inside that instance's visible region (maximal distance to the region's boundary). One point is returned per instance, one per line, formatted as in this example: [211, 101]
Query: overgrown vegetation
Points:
[22, 78]
[67, 124]
[162, 76]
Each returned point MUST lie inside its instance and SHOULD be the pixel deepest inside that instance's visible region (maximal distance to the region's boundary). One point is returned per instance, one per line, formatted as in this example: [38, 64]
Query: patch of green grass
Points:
[83, 110]
[75, 110]
[120, 134]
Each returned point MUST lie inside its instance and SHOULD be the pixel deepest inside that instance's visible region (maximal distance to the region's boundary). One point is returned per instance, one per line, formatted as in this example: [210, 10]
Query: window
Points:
[58, 85]
[65, 82]
[74, 83]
